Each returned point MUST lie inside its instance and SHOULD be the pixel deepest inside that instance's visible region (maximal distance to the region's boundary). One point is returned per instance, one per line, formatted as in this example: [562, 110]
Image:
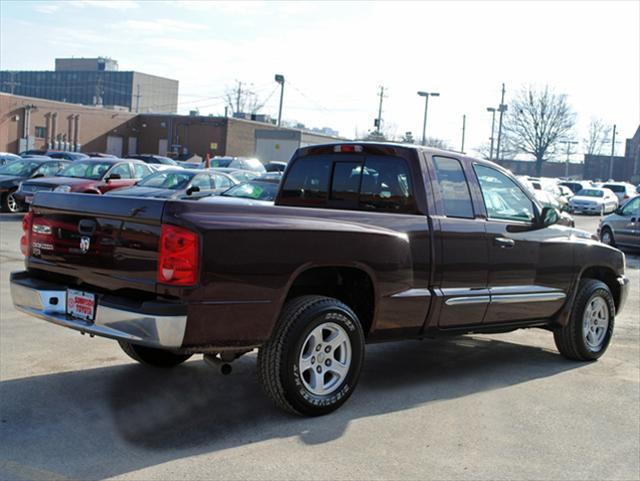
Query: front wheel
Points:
[152, 356]
[312, 362]
[10, 204]
[588, 333]
[606, 236]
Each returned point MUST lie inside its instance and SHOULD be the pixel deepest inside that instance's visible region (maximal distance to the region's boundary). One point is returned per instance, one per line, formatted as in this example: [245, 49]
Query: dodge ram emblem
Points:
[85, 242]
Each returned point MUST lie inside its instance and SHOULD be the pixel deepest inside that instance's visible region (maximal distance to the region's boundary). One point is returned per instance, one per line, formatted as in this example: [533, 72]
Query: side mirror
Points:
[549, 216]
[618, 210]
[192, 189]
[114, 177]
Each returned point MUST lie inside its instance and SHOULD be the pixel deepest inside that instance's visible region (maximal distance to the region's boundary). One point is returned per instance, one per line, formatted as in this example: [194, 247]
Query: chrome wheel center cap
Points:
[320, 357]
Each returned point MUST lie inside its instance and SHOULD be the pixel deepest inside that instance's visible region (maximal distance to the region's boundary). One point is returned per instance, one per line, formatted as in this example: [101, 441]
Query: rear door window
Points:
[456, 198]
[386, 185]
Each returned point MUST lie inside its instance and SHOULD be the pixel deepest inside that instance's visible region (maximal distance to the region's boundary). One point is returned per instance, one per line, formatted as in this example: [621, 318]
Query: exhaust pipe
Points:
[214, 361]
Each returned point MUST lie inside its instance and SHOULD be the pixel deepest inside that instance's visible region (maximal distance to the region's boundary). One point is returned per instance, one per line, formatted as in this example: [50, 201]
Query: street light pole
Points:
[493, 125]
[280, 80]
[566, 165]
[613, 151]
[502, 108]
[426, 108]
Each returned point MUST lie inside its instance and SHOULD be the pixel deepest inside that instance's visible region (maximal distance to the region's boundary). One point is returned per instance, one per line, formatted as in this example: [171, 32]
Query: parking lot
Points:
[477, 407]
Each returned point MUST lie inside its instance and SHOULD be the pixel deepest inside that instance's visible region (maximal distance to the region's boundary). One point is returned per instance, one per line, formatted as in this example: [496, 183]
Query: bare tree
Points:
[437, 143]
[507, 150]
[536, 121]
[242, 99]
[597, 137]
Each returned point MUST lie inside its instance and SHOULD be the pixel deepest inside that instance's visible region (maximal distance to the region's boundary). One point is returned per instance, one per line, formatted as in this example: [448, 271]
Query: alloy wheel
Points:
[595, 322]
[325, 359]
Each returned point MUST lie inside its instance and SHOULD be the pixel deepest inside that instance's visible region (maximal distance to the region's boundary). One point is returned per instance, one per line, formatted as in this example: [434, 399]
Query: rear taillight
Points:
[178, 256]
[626, 196]
[25, 240]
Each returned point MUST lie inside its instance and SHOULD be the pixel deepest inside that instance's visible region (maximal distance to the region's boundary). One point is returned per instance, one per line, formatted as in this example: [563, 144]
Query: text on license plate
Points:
[81, 305]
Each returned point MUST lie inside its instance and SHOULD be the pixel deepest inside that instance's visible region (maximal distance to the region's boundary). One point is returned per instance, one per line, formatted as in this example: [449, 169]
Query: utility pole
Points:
[99, 92]
[137, 98]
[566, 165]
[379, 121]
[502, 108]
[280, 79]
[238, 94]
[493, 125]
[12, 84]
[613, 151]
[464, 126]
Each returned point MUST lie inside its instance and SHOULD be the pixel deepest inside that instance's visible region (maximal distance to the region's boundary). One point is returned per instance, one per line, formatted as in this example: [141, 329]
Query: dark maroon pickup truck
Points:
[366, 242]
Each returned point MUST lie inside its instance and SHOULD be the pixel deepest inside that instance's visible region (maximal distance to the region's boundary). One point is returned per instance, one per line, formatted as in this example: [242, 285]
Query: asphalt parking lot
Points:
[478, 407]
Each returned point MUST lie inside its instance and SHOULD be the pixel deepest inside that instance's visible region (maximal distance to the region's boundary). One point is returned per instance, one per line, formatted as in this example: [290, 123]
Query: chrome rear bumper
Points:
[146, 325]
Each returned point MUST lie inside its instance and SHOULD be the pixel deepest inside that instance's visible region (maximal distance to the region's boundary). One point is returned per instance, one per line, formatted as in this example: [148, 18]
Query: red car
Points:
[95, 176]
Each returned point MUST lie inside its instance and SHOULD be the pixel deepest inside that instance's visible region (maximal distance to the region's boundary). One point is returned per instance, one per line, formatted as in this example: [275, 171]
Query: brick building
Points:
[30, 123]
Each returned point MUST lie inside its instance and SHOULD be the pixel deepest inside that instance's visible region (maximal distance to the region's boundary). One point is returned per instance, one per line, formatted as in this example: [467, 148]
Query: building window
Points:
[41, 132]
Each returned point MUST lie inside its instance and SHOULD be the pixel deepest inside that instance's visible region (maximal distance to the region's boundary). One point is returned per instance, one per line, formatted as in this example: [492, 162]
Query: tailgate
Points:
[110, 243]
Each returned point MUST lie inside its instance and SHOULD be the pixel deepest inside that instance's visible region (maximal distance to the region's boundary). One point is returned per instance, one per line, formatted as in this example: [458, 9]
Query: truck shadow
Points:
[135, 416]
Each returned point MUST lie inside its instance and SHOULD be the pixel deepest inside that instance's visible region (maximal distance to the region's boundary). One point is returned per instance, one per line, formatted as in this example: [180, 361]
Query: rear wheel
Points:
[606, 236]
[151, 356]
[587, 335]
[312, 362]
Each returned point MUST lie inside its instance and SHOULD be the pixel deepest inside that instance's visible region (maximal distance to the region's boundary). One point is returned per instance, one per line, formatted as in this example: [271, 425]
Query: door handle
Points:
[633, 219]
[503, 242]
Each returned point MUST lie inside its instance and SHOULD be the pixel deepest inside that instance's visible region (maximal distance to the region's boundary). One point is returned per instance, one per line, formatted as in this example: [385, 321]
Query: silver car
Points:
[622, 228]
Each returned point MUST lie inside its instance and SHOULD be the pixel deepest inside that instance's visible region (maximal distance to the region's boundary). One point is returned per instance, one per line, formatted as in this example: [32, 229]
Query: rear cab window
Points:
[350, 181]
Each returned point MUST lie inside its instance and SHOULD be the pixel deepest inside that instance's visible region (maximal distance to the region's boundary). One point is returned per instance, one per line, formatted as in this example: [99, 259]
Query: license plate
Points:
[81, 305]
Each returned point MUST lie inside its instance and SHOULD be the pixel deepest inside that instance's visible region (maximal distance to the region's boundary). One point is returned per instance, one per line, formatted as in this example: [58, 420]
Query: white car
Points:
[622, 190]
[594, 200]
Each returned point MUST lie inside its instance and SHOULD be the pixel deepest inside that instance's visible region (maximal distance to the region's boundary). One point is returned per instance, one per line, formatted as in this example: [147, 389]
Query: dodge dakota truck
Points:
[366, 242]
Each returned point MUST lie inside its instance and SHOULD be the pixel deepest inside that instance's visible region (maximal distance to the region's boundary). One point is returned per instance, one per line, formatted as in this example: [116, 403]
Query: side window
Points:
[140, 170]
[123, 170]
[203, 181]
[503, 199]
[48, 170]
[632, 207]
[386, 185]
[221, 182]
[308, 181]
[456, 197]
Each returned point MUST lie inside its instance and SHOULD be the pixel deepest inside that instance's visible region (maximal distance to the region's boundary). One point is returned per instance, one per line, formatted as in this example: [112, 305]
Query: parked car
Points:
[89, 177]
[178, 184]
[594, 200]
[242, 163]
[575, 185]
[622, 228]
[159, 162]
[275, 166]
[352, 251]
[101, 155]
[57, 154]
[14, 173]
[259, 191]
[7, 157]
[237, 174]
[622, 190]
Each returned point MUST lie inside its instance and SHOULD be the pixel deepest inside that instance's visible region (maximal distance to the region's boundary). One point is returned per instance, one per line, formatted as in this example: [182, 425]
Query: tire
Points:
[151, 356]
[10, 204]
[572, 340]
[606, 237]
[287, 363]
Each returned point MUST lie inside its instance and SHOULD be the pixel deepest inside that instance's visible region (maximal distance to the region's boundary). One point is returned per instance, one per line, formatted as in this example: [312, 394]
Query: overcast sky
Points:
[335, 56]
